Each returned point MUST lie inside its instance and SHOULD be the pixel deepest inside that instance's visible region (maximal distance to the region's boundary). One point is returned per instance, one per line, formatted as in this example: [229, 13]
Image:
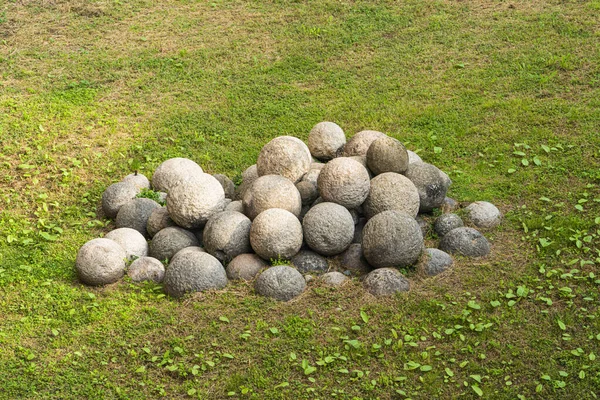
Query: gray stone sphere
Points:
[227, 184]
[312, 176]
[236, 205]
[191, 272]
[138, 180]
[117, 195]
[392, 191]
[344, 181]
[245, 267]
[326, 140]
[392, 239]
[435, 262]
[172, 171]
[275, 234]
[353, 261]
[449, 205]
[286, 156]
[328, 228]
[431, 183]
[169, 241]
[334, 278]
[100, 262]
[132, 241]
[272, 191]
[309, 262]
[280, 282]
[387, 154]
[159, 220]
[193, 201]
[135, 215]
[146, 269]
[227, 235]
[308, 192]
[413, 157]
[249, 175]
[446, 222]
[385, 282]
[359, 144]
[466, 241]
[484, 214]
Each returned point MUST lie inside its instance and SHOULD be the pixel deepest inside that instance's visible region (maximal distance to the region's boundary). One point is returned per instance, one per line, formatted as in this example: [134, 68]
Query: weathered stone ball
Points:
[146, 269]
[308, 192]
[272, 191]
[193, 201]
[132, 241]
[359, 144]
[227, 235]
[446, 222]
[280, 282]
[392, 191]
[227, 184]
[245, 267]
[249, 175]
[431, 183]
[326, 140]
[138, 180]
[312, 176]
[334, 278]
[466, 241]
[135, 215]
[387, 154]
[435, 262]
[191, 249]
[385, 282]
[172, 171]
[328, 228]
[159, 220]
[276, 234]
[100, 262]
[353, 261]
[309, 262]
[236, 205]
[484, 214]
[344, 181]
[193, 272]
[413, 157]
[169, 241]
[117, 195]
[392, 239]
[286, 156]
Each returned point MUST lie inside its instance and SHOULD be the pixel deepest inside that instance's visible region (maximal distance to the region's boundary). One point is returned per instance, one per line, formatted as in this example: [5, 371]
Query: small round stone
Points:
[276, 234]
[132, 241]
[117, 195]
[392, 191]
[328, 228]
[236, 205]
[159, 220]
[286, 156]
[146, 269]
[245, 267]
[385, 282]
[466, 241]
[249, 175]
[172, 171]
[226, 235]
[344, 181]
[326, 140]
[191, 272]
[484, 214]
[169, 241]
[435, 262]
[359, 144]
[432, 185]
[307, 261]
[446, 222]
[387, 154]
[280, 282]
[227, 184]
[308, 192]
[272, 191]
[135, 215]
[100, 262]
[449, 205]
[353, 261]
[413, 157]
[334, 278]
[138, 180]
[193, 201]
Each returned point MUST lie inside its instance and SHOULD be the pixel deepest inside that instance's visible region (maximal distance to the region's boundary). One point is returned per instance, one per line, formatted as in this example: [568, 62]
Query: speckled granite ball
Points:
[431, 183]
[328, 228]
[359, 144]
[275, 234]
[193, 272]
[169, 241]
[100, 262]
[326, 140]
[272, 191]
[392, 191]
[344, 181]
[172, 171]
[146, 269]
[159, 219]
[132, 241]
[446, 222]
[138, 180]
[193, 201]
[280, 282]
[309, 262]
[387, 154]
[227, 235]
[245, 267]
[385, 282]
[465, 241]
[484, 214]
[435, 262]
[135, 215]
[286, 156]
[117, 195]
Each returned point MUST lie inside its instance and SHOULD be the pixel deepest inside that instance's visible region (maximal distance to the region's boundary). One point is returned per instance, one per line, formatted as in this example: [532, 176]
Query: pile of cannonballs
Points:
[355, 212]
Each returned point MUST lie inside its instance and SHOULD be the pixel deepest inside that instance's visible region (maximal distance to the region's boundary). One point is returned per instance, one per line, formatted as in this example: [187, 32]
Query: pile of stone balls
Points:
[354, 212]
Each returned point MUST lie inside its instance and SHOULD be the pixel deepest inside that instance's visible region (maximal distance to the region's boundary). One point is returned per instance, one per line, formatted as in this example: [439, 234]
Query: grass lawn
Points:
[503, 96]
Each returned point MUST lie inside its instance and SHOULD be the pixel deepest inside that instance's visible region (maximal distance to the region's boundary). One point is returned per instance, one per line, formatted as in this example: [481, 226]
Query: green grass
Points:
[90, 91]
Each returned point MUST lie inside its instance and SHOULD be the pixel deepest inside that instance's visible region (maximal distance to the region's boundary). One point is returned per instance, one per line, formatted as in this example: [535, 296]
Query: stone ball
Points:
[100, 262]
[169, 241]
[227, 235]
[465, 241]
[249, 175]
[272, 191]
[191, 249]
[385, 282]
[146, 269]
[193, 201]
[193, 271]
[344, 181]
[392, 191]
[387, 154]
[449, 205]
[245, 267]
[312, 176]
[159, 220]
[308, 192]
[359, 144]
[435, 262]
[227, 184]
[328, 228]
[172, 171]
[309, 262]
[117, 195]
[413, 157]
[135, 215]
[236, 205]
[431, 183]
[446, 222]
[280, 282]
[353, 261]
[138, 180]
[132, 241]
[392, 239]
[286, 156]
[326, 140]
[334, 278]
[484, 214]
[276, 234]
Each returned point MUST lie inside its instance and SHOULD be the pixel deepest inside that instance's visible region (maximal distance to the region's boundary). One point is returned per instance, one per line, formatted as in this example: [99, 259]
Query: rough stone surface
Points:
[193, 272]
[117, 195]
[227, 235]
[484, 214]
[312, 176]
[465, 241]
[308, 192]
[245, 267]
[276, 233]
[352, 260]
[172, 171]
[360, 143]
[307, 261]
[424, 225]
[334, 278]
[169, 241]
[162, 197]
[132, 241]
[227, 184]
[449, 205]
[326, 140]
[317, 165]
[100, 262]
[272, 191]
[344, 181]
[193, 201]
[446, 222]
[387, 154]
[135, 215]
[191, 249]
[249, 175]
[431, 183]
[236, 205]
[392, 239]
[413, 157]
[392, 191]
[138, 180]
[159, 219]
[286, 156]
[385, 282]
[328, 228]
[280, 282]
[435, 262]
[146, 269]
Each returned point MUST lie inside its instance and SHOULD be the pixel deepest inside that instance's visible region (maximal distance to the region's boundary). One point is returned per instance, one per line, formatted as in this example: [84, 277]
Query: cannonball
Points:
[326, 140]
[413, 157]
[236, 205]
[353, 261]
[328, 228]
[135, 215]
[100, 262]
[190, 249]
[465, 241]
[435, 262]
[132, 241]
[334, 278]
[385, 282]
[272, 191]
[446, 222]
[276, 234]
[227, 184]
[280, 282]
[249, 175]
[387, 154]
[117, 195]
[138, 180]
[169, 241]
[245, 267]
[159, 220]
[172, 171]
[146, 269]
[308, 192]
[392, 191]
[431, 183]
[286, 156]
[193, 271]
[193, 201]
[484, 214]
[359, 144]
[226, 235]
[344, 181]
[307, 261]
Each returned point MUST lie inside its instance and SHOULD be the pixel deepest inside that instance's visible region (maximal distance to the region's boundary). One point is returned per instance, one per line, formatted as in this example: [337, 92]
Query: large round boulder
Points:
[385, 282]
[146, 269]
[226, 235]
[344, 181]
[272, 191]
[132, 241]
[135, 215]
[465, 241]
[387, 154]
[446, 222]
[100, 262]
[280, 282]
[227, 184]
[159, 220]
[484, 214]
[431, 183]
[435, 262]
[286, 156]
[172, 171]
[359, 144]
[169, 241]
[193, 272]
[245, 267]
[328, 228]
[326, 140]
[276, 234]
[138, 180]
[117, 195]
[309, 262]
[392, 191]
[193, 201]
